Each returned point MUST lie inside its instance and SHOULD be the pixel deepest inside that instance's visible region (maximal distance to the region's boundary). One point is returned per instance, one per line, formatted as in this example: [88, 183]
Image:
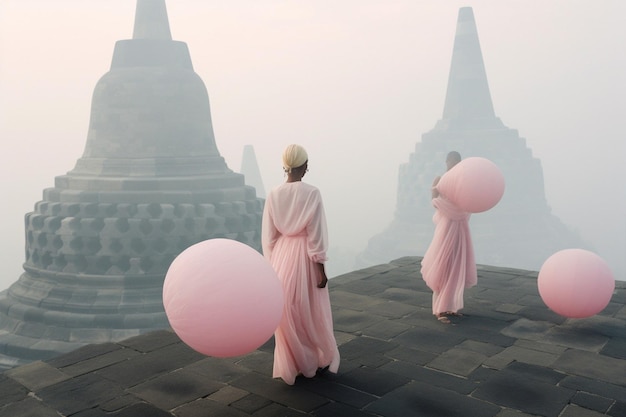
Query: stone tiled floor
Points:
[508, 356]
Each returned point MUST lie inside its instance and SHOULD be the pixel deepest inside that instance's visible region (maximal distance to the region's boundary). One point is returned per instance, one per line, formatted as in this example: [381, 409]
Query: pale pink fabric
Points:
[294, 238]
[448, 266]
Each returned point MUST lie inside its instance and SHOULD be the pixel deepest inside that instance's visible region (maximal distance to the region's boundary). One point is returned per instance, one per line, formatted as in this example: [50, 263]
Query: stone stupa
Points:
[520, 231]
[250, 170]
[150, 183]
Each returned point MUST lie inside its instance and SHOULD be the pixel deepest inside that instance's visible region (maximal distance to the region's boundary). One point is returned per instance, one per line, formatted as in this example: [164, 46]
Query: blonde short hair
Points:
[294, 156]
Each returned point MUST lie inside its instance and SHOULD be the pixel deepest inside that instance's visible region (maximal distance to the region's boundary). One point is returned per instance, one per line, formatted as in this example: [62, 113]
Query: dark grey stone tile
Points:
[353, 301]
[277, 391]
[251, 403]
[487, 349]
[428, 340]
[217, 369]
[80, 393]
[502, 295]
[119, 403]
[339, 409]
[412, 356]
[539, 373]
[275, 410]
[592, 365]
[372, 361]
[521, 354]
[143, 410]
[584, 339]
[27, 407]
[425, 400]
[421, 316]
[171, 390]
[458, 361]
[618, 409]
[261, 362]
[541, 313]
[228, 395]
[351, 321]
[592, 402]
[372, 381]
[406, 296]
[208, 408]
[150, 365]
[93, 412]
[594, 386]
[336, 392]
[83, 353]
[99, 362]
[527, 329]
[151, 341]
[514, 390]
[37, 375]
[431, 376]
[612, 327]
[540, 345]
[386, 330]
[391, 309]
[533, 300]
[268, 346]
[11, 390]
[482, 374]
[364, 346]
[365, 287]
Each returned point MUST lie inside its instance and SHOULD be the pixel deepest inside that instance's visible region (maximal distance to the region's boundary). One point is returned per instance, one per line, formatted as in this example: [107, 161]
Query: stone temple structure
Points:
[520, 231]
[250, 170]
[150, 183]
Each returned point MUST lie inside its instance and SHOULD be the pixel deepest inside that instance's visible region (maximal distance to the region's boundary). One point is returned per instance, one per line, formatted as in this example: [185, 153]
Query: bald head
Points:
[452, 159]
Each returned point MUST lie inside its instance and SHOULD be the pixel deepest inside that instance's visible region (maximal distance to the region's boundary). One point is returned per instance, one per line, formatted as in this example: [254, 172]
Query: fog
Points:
[357, 82]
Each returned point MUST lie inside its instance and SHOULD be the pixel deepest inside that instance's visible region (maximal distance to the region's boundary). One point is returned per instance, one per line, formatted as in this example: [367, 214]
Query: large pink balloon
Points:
[575, 283]
[222, 298]
[475, 184]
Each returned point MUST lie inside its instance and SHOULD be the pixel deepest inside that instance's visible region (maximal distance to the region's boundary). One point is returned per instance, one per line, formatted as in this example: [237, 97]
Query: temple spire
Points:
[151, 20]
[468, 94]
[250, 170]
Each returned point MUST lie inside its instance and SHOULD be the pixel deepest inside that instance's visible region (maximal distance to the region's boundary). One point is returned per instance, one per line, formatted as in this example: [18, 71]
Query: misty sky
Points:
[357, 82]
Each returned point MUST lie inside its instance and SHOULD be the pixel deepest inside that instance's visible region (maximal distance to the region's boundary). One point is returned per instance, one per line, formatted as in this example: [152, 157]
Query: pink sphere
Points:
[475, 184]
[575, 283]
[222, 298]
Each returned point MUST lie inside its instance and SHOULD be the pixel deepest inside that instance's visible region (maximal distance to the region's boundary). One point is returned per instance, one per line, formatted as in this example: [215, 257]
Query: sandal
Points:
[443, 319]
[453, 314]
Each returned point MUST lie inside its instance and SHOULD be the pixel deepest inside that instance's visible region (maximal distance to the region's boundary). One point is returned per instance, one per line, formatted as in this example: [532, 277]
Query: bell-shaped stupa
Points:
[150, 183]
[520, 231]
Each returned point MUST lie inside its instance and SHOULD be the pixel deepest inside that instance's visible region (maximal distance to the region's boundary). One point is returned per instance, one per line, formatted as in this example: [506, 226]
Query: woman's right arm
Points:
[269, 233]
[433, 190]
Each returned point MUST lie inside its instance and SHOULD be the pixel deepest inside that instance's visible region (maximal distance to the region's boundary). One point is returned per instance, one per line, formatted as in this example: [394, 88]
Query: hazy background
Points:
[356, 82]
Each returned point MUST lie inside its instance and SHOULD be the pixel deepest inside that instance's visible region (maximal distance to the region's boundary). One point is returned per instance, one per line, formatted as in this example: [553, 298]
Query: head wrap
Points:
[294, 156]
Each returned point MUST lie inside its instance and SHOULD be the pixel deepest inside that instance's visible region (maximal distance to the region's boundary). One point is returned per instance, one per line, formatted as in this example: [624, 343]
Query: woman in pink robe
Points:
[448, 266]
[295, 240]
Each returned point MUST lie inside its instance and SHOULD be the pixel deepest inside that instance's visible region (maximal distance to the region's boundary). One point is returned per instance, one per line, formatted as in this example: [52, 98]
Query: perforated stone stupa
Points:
[520, 231]
[150, 183]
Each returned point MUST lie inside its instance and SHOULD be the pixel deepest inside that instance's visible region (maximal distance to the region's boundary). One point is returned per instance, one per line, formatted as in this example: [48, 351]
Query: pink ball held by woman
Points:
[475, 184]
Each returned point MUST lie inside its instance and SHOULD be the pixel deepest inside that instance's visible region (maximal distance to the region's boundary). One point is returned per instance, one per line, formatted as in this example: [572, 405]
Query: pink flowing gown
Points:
[294, 239]
[448, 266]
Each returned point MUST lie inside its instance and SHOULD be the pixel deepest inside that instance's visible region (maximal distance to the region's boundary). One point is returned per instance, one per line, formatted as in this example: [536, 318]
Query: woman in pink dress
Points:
[448, 266]
[295, 240]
